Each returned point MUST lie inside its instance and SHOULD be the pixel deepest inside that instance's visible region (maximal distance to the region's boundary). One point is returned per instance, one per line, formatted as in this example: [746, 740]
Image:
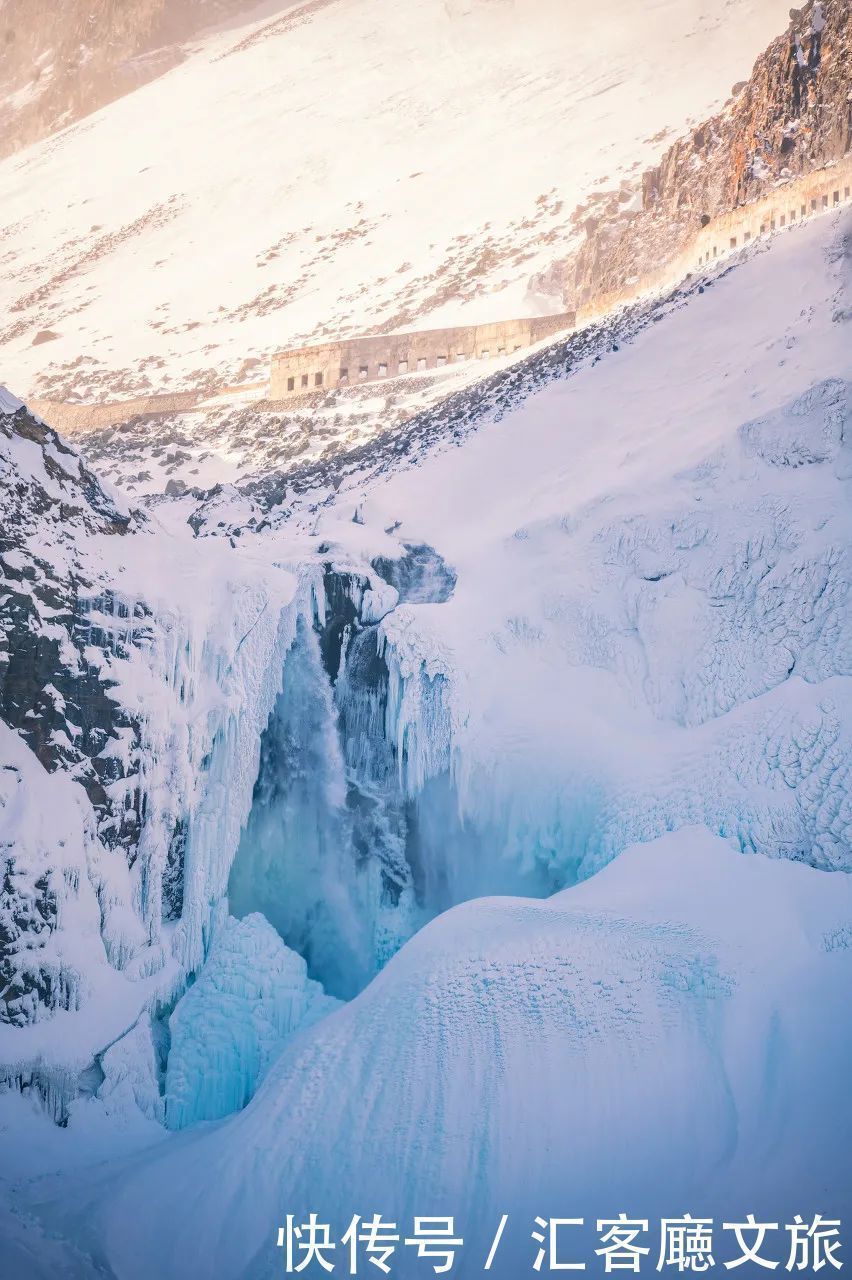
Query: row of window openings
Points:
[402, 367]
[782, 222]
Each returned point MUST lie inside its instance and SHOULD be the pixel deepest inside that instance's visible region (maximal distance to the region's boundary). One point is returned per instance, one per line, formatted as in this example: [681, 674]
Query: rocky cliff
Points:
[54, 648]
[785, 121]
[56, 693]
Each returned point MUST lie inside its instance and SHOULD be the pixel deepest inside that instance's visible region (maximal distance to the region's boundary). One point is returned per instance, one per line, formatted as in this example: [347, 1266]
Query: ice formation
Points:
[231, 1025]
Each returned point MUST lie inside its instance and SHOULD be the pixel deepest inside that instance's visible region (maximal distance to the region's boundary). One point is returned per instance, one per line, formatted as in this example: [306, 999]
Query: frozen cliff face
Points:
[64, 898]
[137, 669]
[68, 839]
[648, 1038]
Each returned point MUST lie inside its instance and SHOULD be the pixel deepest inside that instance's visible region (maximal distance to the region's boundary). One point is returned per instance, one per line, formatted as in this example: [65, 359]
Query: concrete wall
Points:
[80, 417]
[375, 357]
[788, 205]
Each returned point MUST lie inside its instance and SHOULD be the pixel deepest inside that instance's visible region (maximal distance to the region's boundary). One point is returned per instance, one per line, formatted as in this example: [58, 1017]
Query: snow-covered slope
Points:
[337, 166]
[63, 62]
[651, 621]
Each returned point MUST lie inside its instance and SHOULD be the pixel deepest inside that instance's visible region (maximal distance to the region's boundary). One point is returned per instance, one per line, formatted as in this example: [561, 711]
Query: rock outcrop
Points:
[54, 651]
[785, 121]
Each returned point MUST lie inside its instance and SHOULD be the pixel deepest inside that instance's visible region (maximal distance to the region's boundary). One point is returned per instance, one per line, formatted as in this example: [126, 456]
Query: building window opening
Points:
[837, 197]
[746, 237]
[846, 193]
[304, 379]
[733, 242]
[291, 384]
[813, 204]
[783, 220]
[792, 215]
[460, 355]
[501, 351]
[825, 202]
[362, 373]
[317, 379]
[383, 371]
[441, 361]
[402, 367]
[344, 375]
[483, 355]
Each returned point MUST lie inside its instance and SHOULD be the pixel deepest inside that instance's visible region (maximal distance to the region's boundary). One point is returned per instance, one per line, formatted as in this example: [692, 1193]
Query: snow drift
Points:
[649, 1040]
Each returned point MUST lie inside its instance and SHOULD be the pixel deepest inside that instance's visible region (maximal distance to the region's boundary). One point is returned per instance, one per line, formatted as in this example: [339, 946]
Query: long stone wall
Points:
[789, 204]
[63, 416]
[377, 356]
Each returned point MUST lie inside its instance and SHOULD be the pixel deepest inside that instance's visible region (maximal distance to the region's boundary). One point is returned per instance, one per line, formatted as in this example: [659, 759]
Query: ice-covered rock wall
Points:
[138, 669]
[712, 624]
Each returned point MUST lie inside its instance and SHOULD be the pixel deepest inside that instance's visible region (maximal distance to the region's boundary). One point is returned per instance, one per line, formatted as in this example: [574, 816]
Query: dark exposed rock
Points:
[27, 914]
[420, 575]
[62, 623]
[52, 612]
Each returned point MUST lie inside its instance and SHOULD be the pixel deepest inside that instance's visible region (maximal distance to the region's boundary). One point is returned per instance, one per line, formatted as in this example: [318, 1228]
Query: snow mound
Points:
[665, 1008]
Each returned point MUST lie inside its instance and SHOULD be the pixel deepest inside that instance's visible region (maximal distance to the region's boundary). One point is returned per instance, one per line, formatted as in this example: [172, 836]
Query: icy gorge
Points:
[433, 798]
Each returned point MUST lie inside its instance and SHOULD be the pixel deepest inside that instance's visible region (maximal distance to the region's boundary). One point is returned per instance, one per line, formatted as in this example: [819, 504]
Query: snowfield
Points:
[311, 173]
[590, 650]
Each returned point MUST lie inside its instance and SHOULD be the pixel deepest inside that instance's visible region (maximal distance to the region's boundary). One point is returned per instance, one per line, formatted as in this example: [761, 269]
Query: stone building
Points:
[378, 356]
